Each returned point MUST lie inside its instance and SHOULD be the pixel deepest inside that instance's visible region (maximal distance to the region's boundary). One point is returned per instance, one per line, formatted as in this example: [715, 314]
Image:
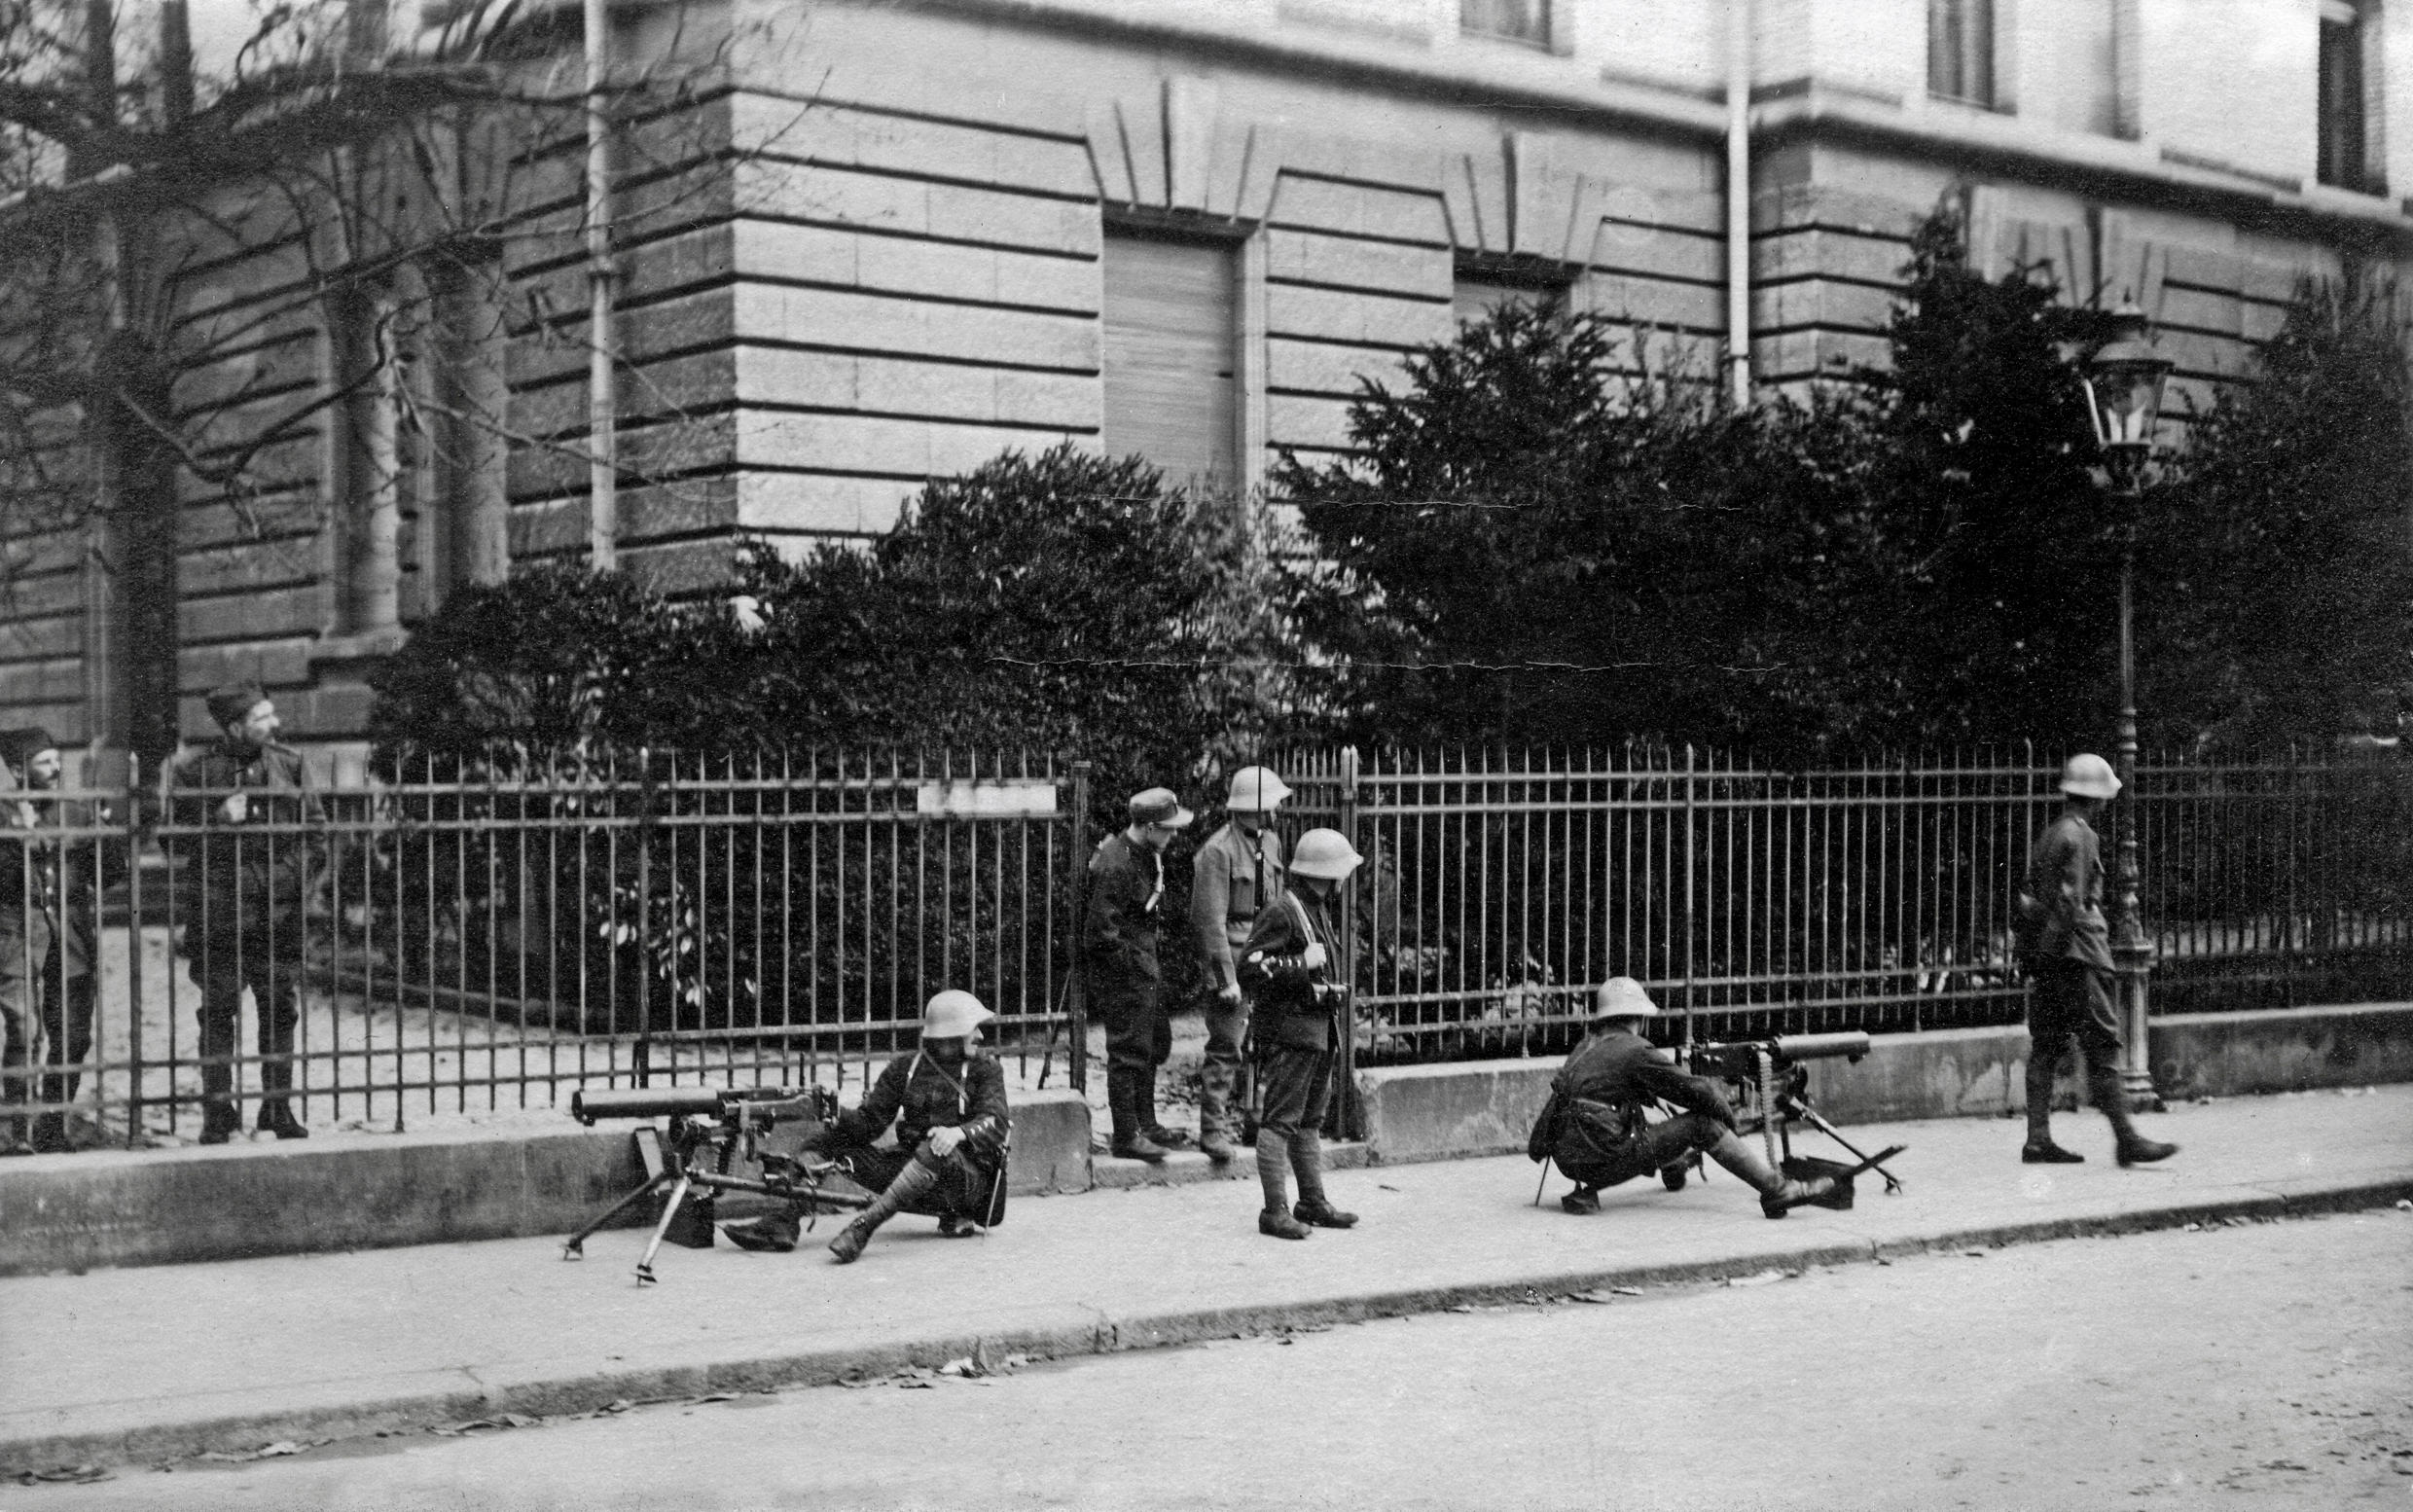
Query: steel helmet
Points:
[1326, 853]
[2089, 776]
[952, 1015]
[1255, 790]
[1622, 997]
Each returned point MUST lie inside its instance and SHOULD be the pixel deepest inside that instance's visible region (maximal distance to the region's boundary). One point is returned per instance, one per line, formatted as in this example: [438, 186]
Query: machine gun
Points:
[1774, 1087]
[712, 1130]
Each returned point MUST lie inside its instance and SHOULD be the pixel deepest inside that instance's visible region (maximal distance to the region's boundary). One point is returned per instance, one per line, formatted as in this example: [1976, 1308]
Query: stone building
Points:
[883, 242]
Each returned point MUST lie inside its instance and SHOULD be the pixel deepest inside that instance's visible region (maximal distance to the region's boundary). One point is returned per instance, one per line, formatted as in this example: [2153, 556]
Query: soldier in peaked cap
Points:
[1236, 875]
[253, 866]
[2066, 945]
[50, 920]
[1125, 979]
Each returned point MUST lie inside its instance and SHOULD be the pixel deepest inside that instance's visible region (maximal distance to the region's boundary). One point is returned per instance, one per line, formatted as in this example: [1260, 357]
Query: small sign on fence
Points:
[1010, 798]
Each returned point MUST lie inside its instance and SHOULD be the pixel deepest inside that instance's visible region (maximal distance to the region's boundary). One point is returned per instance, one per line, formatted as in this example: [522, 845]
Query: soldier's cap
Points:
[1622, 997]
[20, 746]
[229, 704]
[1159, 806]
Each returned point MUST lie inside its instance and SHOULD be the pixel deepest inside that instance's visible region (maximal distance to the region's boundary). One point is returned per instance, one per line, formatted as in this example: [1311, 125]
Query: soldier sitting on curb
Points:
[1594, 1123]
[948, 1102]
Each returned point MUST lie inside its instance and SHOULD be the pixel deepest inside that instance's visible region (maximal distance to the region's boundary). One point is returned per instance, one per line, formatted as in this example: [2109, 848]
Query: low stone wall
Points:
[1445, 1112]
[74, 1213]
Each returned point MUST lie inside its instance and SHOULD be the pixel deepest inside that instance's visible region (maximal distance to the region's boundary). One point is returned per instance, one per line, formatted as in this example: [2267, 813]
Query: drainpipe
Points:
[1738, 198]
[603, 391]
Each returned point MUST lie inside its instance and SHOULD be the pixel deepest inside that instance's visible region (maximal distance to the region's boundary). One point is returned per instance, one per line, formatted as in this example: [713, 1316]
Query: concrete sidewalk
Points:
[157, 1362]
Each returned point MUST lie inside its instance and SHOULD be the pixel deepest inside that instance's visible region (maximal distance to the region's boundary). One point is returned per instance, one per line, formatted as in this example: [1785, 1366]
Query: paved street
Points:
[2258, 1364]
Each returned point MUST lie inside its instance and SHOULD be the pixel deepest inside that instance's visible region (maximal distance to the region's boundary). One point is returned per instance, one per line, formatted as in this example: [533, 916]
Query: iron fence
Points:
[466, 940]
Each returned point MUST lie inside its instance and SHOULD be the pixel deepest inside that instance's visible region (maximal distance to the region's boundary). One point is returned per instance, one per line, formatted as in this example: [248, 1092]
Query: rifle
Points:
[712, 1129]
[1774, 1088]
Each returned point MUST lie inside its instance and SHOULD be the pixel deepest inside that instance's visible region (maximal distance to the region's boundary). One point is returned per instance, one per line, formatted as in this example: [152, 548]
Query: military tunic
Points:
[918, 1095]
[1126, 981]
[2068, 945]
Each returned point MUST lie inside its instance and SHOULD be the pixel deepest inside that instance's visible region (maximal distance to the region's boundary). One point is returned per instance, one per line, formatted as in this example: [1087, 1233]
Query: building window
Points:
[1483, 281]
[2346, 89]
[1518, 20]
[1171, 329]
[1961, 51]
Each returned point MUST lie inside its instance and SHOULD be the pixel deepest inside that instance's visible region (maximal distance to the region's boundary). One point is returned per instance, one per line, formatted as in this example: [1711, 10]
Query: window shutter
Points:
[1168, 356]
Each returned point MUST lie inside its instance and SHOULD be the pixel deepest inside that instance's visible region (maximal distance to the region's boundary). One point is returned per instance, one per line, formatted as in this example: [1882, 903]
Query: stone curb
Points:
[1082, 1330]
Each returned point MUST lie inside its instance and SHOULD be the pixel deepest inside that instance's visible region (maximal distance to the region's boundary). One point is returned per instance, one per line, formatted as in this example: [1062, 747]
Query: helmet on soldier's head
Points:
[1326, 853]
[952, 1015]
[1622, 997]
[2089, 776]
[1255, 790]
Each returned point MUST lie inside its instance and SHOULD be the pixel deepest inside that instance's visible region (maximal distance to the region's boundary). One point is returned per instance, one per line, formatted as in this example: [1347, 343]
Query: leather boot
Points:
[50, 1133]
[1778, 1194]
[2041, 1150]
[1307, 1161]
[2102, 1084]
[910, 1183]
[221, 1119]
[1215, 1111]
[1583, 1201]
[1274, 1175]
[1143, 1080]
[276, 1112]
[1130, 1140]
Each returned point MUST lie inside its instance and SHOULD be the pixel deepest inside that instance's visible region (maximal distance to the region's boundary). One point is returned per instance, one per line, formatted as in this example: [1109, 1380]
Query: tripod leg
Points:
[669, 1211]
[575, 1246]
[1810, 1115]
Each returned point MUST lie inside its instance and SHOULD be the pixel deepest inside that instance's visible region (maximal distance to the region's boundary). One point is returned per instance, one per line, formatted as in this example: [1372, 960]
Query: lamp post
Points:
[2124, 383]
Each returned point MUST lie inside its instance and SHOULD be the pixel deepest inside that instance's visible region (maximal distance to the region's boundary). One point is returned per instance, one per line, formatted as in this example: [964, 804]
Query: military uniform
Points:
[918, 1095]
[1124, 980]
[2070, 955]
[1594, 1122]
[52, 898]
[246, 886]
[1234, 877]
[1296, 1008]
[2065, 946]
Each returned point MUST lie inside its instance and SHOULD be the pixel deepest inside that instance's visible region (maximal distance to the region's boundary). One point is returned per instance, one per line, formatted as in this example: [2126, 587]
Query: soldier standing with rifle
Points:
[1290, 968]
[1125, 978]
[1594, 1123]
[1236, 874]
[2065, 946]
[252, 870]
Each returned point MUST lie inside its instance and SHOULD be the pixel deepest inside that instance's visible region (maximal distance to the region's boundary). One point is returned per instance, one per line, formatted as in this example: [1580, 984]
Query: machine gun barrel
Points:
[587, 1106]
[1851, 1046]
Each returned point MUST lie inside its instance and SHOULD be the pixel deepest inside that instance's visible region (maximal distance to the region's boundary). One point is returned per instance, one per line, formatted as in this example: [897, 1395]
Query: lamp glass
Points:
[2125, 399]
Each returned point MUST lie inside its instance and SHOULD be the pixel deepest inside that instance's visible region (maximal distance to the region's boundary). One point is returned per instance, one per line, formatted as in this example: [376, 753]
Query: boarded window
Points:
[1961, 51]
[1170, 329]
[1473, 299]
[1519, 20]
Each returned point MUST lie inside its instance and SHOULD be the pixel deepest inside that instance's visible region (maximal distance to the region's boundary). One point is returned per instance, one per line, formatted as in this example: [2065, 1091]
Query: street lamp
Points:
[2124, 383]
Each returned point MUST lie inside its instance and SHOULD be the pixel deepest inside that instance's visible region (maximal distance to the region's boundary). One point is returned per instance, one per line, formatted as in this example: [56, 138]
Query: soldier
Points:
[2067, 948]
[1595, 1125]
[1290, 969]
[1236, 873]
[244, 926]
[51, 895]
[948, 1102]
[1124, 980]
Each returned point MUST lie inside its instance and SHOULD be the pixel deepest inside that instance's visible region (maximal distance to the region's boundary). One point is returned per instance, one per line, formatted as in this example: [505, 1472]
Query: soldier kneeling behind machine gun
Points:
[1594, 1123]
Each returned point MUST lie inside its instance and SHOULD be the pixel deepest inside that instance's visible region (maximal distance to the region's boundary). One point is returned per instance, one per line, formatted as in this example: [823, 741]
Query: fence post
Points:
[1076, 989]
[1691, 798]
[643, 1052]
[135, 825]
[1348, 1108]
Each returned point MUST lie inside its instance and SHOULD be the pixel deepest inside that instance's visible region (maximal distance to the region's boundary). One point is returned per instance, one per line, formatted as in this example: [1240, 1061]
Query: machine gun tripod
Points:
[712, 1129]
[1774, 1089]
